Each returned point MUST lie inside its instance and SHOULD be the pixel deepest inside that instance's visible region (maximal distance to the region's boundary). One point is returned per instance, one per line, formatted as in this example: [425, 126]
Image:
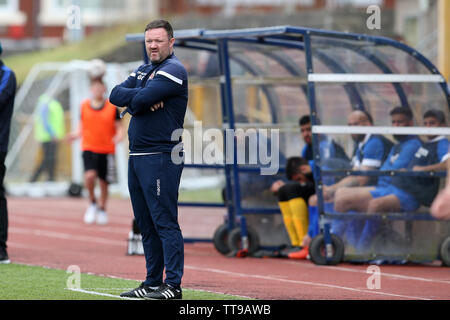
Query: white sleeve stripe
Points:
[445, 157]
[371, 163]
[171, 77]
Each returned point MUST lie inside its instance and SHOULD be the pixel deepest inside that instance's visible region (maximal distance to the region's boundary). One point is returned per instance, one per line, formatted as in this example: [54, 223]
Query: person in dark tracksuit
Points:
[156, 97]
[7, 95]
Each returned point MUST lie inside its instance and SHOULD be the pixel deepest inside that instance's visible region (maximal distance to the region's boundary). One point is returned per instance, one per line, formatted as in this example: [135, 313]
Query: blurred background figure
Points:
[49, 129]
[7, 95]
[100, 129]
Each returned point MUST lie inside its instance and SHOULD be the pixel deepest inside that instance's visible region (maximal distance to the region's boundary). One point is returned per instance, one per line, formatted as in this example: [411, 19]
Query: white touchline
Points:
[303, 282]
[101, 294]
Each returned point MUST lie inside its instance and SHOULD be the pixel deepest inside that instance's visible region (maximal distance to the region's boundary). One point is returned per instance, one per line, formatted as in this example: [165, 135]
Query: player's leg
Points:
[51, 156]
[389, 203]
[90, 175]
[40, 167]
[162, 199]
[152, 244]
[102, 172]
[393, 199]
[286, 213]
[159, 180]
[355, 199]
[3, 212]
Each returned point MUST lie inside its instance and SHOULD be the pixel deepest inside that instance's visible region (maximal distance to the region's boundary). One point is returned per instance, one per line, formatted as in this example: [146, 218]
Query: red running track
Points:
[50, 232]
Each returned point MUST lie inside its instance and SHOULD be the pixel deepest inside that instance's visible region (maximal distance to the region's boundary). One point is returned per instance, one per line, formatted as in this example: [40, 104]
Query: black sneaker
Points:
[4, 259]
[139, 292]
[164, 292]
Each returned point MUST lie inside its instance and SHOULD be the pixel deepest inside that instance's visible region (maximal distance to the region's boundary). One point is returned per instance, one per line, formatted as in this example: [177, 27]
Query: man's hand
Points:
[157, 106]
[276, 186]
[328, 193]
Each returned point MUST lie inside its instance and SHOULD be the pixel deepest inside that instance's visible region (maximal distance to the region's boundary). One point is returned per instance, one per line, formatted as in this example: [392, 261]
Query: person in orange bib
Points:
[100, 129]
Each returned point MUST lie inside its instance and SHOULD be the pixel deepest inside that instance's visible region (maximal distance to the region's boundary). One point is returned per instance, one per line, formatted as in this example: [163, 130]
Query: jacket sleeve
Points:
[407, 154]
[122, 94]
[8, 88]
[45, 115]
[166, 83]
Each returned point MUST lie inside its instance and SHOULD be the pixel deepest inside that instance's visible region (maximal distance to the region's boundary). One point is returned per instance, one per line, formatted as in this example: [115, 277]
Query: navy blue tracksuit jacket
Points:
[153, 178]
[7, 94]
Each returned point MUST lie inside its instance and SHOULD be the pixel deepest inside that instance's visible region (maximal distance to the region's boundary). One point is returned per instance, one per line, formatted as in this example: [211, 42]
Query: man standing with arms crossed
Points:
[7, 95]
[156, 97]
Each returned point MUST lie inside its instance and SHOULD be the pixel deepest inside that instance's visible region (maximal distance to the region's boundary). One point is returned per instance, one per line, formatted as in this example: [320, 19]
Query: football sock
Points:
[289, 223]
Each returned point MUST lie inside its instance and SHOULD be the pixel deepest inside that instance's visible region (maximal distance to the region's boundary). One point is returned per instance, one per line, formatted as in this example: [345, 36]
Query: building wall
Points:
[25, 19]
[12, 19]
[416, 21]
[239, 7]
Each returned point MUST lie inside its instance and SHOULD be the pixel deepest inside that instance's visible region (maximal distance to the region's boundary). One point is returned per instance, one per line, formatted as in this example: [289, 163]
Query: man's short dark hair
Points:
[437, 114]
[304, 120]
[155, 24]
[406, 111]
[293, 166]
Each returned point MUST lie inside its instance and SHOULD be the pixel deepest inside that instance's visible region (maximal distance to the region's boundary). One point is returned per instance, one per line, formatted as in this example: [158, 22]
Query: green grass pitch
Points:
[23, 282]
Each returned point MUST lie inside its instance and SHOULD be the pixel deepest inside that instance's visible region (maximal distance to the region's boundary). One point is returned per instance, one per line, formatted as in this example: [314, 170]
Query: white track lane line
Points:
[122, 220]
[46, 222]
[66, 236]
[394, 275]
[270, 278]
[383, 274]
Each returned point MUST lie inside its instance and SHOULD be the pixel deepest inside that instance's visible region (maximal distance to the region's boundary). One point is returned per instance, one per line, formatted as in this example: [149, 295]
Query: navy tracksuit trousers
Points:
[153, 182]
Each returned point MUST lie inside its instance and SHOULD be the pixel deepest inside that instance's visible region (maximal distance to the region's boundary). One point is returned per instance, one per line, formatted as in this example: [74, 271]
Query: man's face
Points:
[304, 175]
[158, 44]
[432, 122]
[358, 119]
[98, 90]
[400, 120]
[306, 133]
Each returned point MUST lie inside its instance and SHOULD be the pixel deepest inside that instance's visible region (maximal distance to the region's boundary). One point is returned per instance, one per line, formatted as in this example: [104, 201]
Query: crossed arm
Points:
[148, 98]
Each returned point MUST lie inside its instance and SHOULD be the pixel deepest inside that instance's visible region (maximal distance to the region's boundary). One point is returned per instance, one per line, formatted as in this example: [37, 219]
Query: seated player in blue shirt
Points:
[384, 196]
[369, 154]
[432, 156]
